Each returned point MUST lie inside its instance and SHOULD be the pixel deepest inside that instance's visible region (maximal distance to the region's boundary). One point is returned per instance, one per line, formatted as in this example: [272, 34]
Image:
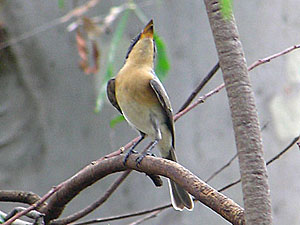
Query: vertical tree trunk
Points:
[255, 185]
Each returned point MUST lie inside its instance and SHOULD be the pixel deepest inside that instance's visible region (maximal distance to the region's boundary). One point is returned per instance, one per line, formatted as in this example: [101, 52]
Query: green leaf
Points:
[226, 8]
[117, 36]
[116, 120]
[61, 4]
[162, 63]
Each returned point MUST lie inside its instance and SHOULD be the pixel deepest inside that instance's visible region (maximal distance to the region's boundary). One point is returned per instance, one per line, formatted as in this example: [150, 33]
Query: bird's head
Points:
[142, 48]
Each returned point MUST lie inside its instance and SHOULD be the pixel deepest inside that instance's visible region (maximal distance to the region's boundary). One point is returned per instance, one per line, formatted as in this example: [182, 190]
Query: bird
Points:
[137, 93]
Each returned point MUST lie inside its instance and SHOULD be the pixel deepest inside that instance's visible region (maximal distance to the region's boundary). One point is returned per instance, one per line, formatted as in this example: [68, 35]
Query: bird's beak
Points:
[148, 31]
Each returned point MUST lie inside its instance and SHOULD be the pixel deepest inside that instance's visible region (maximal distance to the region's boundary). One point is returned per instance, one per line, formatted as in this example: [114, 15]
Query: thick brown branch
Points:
[19, 196]
[36, 205]
[151, 165]
[96, 204]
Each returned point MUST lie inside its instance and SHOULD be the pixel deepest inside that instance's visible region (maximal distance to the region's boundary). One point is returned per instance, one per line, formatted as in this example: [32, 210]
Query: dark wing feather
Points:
[165, 103]
[111, 94]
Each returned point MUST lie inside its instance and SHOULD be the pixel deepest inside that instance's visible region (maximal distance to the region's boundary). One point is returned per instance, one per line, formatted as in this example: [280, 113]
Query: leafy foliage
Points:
[116, 120]
[162, 64]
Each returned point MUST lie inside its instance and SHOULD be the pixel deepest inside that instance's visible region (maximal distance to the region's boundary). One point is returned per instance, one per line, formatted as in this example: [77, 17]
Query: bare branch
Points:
[269, 58]
[150, 216]
[294, 141]
[18, 196]
[37, 216]
[198, 101]
[229, 162]
[150, 165]
[200, 86]
[220, 87]
[229, 185]
[222, 168]
[77, 12]
[95, 205]
[35, 205]
[129, 215]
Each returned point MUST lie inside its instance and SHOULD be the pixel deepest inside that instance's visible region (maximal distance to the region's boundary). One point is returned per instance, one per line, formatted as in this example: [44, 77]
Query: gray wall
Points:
[49, 131]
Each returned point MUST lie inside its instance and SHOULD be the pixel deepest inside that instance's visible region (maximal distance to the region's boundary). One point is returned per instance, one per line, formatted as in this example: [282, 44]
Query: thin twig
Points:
[148, 217]
[229, 162]
[221, 169]
[269, 58]
[112, 218]
[294, 141]
[229, 185]
[77, 12]
[220, 87]
[198, 101]
[92, 207]
[35, 205]
[200, 86]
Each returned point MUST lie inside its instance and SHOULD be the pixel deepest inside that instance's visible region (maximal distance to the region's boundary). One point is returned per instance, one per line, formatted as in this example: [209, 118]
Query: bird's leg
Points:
[131, 150]
[148, 152]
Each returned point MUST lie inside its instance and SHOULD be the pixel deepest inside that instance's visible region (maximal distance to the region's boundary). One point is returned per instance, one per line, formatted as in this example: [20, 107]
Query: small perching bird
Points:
[137, 93]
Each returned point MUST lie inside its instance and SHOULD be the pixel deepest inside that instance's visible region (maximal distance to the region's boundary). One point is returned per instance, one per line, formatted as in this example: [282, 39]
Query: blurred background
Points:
[49, 129]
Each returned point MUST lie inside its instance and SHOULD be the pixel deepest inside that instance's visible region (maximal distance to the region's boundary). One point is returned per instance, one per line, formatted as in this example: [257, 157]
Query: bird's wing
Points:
[110, 89]
[165, 103]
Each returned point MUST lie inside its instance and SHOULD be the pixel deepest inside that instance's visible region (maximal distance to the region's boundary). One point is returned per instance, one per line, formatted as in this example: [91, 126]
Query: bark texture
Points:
[255, 187]
[218, 202]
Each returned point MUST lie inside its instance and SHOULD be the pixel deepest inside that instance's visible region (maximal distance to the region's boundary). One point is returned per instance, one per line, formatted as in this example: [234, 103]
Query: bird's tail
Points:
[180, 198]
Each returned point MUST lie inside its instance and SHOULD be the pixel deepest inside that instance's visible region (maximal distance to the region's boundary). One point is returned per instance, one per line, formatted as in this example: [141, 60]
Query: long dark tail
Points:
[180, 198]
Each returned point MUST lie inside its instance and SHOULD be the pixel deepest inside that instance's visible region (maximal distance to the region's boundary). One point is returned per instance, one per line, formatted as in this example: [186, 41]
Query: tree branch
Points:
[200, 86]
[112, 218]
[36, 205]
[145, 218]
[150, 165]
[18, 196]
[161, 208]
[255, 187]
[177, 116]
[95, 205]
[277, 156]
[269, 58]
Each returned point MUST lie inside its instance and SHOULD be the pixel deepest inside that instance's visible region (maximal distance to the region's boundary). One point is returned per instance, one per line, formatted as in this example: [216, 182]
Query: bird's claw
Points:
[131, 151]
[140, 158]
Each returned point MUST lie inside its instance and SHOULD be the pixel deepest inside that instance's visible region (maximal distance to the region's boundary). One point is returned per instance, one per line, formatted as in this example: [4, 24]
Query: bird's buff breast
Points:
[137, 107]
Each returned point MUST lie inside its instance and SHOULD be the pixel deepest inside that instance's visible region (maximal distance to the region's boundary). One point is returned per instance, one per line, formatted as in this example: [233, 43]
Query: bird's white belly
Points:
[142, 117]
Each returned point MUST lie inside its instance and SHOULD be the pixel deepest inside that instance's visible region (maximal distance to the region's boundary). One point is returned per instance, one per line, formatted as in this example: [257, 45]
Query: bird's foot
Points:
[131, 151]
[140, 158]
